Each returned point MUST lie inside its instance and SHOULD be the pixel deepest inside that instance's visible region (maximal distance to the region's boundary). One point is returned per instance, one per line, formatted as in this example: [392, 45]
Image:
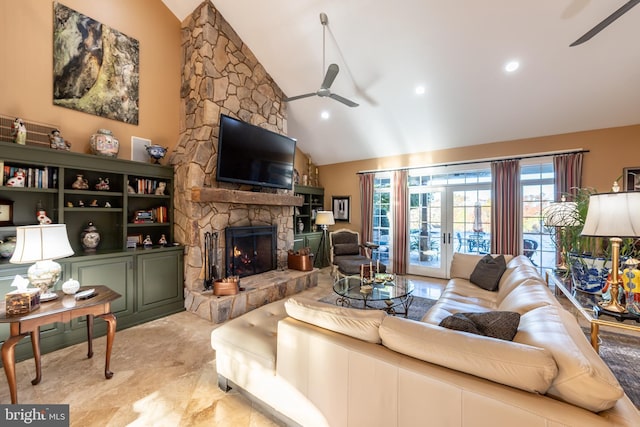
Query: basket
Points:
[300, 262]
[225, 288]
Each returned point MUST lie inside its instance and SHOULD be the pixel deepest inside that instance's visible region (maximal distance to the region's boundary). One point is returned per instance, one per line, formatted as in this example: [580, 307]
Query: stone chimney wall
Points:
[219, 75]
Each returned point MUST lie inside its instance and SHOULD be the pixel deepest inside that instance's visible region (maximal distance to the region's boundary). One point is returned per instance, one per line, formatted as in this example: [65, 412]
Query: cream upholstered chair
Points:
[347, 254]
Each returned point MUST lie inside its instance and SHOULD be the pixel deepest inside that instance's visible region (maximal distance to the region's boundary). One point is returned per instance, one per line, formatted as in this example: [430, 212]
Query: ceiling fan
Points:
[605, 22]
[329, 77]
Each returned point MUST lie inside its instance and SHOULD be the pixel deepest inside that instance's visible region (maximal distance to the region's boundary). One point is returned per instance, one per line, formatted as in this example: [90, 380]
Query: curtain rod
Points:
[472, 162]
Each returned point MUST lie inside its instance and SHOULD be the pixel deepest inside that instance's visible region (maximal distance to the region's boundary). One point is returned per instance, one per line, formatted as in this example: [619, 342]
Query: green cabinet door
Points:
[116, 273]
[160, 281]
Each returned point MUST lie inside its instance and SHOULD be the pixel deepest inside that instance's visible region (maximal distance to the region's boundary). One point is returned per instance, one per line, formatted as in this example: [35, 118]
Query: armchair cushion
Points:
[346, 249]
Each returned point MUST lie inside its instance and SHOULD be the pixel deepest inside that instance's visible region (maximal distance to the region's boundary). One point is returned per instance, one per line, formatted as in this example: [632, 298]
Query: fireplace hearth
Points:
[250, 250]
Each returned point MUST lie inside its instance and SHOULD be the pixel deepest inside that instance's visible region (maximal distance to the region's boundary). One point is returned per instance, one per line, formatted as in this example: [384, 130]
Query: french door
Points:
[444, 220]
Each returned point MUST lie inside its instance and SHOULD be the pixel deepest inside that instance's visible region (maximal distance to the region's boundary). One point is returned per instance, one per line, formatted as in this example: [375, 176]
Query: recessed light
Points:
[420, 90]
[511, 66]
[325, 115]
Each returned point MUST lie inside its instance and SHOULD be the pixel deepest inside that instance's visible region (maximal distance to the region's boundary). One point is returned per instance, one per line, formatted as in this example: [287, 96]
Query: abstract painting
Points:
[95, 68]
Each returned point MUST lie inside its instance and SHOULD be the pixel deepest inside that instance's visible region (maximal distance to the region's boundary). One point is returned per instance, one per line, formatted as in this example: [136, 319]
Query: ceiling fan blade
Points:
[604, 23]
[330, 76]
[293, 98]
[345, 101]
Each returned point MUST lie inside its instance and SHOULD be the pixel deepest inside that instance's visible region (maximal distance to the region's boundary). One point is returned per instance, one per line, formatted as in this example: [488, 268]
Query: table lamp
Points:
[41, 244]
[324, 219]
[613, 215]
[560, 215]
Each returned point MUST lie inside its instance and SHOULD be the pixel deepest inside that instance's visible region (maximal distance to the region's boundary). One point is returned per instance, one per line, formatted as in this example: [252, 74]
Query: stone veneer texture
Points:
[219, 75]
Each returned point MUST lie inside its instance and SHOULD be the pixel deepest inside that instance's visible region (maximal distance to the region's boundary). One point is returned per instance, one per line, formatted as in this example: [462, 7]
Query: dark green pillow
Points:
[488, 272]
[495, 324]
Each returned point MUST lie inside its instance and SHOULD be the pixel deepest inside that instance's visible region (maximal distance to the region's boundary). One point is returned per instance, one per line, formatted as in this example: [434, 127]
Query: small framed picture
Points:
[341, 208]
[631, 179]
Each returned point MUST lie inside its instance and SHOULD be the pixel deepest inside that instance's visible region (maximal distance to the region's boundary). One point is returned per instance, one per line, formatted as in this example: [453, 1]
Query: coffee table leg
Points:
[595, 330]
[111, 333]
[35, 345]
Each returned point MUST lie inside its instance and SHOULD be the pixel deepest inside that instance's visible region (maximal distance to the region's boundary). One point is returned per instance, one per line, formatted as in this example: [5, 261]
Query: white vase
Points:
[104, 143]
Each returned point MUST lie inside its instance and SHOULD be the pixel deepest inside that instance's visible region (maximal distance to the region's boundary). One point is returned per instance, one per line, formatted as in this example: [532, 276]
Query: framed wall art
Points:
[341, 207]
[95, 67]
[631, 179]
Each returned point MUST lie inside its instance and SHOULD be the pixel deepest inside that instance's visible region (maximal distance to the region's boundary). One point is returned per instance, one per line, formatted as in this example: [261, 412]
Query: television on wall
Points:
[249, 154]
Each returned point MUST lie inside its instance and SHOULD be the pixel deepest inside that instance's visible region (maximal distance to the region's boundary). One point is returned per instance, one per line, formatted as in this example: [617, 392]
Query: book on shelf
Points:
[44, 177]
[146, 185]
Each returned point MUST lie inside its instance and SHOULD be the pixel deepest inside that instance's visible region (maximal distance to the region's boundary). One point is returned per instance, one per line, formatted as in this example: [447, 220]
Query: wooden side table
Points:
[62, 309]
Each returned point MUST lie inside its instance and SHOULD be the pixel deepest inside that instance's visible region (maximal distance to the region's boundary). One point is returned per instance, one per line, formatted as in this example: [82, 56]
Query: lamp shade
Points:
[325, 218]
[41, 242]
[561, 214]
[613, 215]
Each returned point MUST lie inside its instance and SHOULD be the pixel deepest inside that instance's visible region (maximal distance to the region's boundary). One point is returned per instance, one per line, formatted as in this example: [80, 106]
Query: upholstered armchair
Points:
[347, 253]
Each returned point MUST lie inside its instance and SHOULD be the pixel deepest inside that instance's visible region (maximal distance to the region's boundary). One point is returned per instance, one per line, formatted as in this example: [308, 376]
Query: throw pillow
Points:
[346, 249]
[495, 324]
[488, 272]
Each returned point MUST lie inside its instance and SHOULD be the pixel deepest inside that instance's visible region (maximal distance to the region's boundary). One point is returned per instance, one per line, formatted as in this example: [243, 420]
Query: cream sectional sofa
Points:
[315, 364]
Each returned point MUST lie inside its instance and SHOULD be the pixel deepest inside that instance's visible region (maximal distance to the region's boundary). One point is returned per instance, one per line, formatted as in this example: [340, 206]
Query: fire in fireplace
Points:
[250, 250]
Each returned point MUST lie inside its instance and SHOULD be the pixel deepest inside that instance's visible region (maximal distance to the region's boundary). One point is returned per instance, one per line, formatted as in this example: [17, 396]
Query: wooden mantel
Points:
[202, 194]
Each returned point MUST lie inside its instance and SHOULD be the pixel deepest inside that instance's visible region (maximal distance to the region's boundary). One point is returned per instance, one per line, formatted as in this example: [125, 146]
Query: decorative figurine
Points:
[156, 152]
[103, 184]
[19, 131]
[147, 243]
[17, 180]
[69, 204]
[81, 203]
[80, 183]
[57, 142]
[161, 187]
[107, 204]
[130, 189]
[94, 203]
[162, 241]
[41, 214]
[90, 238]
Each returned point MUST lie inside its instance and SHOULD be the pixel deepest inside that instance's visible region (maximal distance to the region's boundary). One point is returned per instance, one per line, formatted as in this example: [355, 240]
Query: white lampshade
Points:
[325, 218]
[561, 214]
[41, 242]
[613, 215]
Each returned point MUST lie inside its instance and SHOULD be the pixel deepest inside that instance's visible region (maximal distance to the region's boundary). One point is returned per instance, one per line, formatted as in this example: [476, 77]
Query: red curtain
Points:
[568, 173]
[505, 207]
[400, 229]
[366, 206]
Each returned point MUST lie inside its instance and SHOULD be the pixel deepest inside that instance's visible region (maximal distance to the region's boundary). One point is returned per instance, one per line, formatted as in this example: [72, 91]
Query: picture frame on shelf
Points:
[631, 179]
[6, 212]
[341, 206]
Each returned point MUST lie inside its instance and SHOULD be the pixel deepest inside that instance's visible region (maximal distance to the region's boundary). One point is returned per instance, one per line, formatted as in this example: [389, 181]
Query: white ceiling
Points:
[457, 49]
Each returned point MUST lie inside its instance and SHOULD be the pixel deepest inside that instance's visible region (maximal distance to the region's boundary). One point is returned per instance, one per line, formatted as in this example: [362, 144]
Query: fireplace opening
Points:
[250, 250]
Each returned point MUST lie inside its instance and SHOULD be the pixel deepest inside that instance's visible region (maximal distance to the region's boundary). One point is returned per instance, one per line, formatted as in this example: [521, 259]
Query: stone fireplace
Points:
[220, 74]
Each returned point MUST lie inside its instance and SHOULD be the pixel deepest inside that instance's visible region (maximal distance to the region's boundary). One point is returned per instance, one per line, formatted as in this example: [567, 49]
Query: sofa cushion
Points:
[488, 271]
[529, 294]
[517, 365]
[346, 249]
[462, 265]
[495, 324]
[360, 324]
[583, 378]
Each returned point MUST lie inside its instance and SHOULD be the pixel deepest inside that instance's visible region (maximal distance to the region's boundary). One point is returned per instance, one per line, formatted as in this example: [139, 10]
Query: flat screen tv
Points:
[249, 154]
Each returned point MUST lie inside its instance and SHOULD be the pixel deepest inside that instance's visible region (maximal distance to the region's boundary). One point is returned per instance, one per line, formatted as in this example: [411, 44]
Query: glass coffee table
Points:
[386, 292]
[587, 305]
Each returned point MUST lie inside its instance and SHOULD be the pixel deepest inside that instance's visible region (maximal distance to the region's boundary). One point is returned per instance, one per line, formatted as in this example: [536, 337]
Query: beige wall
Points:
[610, 150]
[26, 82]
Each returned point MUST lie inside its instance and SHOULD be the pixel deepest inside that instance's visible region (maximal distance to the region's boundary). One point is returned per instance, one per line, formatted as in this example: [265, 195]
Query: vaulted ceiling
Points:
[456, 50]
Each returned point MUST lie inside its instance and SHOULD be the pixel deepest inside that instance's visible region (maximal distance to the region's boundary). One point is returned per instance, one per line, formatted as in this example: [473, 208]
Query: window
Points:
[537, 183]
[382, 215]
